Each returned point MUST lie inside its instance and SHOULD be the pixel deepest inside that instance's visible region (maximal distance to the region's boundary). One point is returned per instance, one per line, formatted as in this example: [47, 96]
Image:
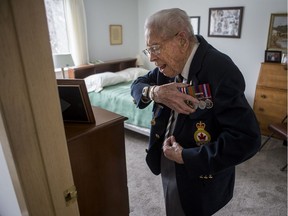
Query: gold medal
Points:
[156, 114]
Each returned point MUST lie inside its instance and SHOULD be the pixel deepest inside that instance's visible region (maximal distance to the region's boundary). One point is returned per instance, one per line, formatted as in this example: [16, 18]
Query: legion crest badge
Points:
[201, 136]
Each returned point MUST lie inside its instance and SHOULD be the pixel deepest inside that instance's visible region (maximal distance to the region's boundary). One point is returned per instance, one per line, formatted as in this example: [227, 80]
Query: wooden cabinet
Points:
[270, 103]
[97, 157]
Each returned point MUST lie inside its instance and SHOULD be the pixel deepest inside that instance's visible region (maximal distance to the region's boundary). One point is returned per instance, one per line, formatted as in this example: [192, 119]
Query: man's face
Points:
[166, 54]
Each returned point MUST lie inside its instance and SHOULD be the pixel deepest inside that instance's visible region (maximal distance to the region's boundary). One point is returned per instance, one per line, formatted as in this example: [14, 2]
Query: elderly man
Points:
[202, 125]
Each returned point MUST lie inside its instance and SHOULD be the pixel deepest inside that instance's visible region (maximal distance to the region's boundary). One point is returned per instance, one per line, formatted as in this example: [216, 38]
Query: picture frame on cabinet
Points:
[273, 56]
[115, 34]
[74, 101]
[277, 34]
[225, 22]
[195, 22]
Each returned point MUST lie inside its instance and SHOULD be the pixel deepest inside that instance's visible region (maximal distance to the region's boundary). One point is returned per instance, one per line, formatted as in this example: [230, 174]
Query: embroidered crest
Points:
[201, 136]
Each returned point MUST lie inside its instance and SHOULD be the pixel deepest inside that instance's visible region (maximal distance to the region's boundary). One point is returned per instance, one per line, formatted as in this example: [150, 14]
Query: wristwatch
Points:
[145, 92]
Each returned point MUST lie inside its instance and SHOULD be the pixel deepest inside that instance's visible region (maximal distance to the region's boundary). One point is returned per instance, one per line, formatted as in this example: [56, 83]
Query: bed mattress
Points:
[117, 99]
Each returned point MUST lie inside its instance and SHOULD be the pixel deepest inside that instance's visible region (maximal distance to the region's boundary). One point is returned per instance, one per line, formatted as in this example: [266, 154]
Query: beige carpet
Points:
[260, 187]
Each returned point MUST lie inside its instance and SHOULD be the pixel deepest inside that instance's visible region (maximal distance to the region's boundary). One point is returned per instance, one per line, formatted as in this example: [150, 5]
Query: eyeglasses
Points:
[155, 49]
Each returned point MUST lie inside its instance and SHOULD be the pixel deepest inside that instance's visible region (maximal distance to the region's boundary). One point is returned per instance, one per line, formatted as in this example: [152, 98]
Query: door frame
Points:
[34, 144]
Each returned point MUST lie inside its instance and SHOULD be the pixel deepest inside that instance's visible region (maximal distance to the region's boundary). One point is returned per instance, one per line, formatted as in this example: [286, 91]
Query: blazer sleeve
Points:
[137, 86]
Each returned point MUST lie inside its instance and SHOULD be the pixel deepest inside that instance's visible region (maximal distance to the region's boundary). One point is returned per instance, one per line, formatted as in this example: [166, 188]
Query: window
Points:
[57, 26]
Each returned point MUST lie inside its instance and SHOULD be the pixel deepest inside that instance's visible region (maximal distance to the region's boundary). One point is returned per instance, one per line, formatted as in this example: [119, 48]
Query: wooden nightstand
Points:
[97, 157]
[270, 103]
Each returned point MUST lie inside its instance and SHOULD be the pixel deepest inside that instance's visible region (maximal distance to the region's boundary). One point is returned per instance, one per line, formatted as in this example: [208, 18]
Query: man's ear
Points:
[182, 36]
[182, 42]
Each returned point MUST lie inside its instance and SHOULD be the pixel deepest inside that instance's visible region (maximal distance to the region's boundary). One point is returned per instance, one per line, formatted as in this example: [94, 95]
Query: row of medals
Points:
[203, 104]
[207, 103]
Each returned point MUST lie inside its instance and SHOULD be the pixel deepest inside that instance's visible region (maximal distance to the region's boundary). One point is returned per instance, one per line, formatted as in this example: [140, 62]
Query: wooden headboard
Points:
[81, 72]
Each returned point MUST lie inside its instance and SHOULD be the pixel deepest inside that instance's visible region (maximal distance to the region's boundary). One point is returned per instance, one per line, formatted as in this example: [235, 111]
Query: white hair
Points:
[166, 23]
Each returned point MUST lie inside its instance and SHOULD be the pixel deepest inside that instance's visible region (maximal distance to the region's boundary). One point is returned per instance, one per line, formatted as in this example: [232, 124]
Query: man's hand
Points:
[172, 150]
[170, 96]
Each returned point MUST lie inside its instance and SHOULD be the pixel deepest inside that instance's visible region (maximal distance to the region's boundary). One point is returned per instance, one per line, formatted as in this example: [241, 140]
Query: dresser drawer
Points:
[270, 102]
[270, 106]
[270, 97]
[273, 75]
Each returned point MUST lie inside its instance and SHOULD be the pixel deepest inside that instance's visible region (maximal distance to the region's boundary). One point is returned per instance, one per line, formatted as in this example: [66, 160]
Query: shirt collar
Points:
[185, 71]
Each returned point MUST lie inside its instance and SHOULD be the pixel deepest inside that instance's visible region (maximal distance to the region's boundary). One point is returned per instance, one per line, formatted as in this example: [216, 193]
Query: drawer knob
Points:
[261, 109]
[263, 96]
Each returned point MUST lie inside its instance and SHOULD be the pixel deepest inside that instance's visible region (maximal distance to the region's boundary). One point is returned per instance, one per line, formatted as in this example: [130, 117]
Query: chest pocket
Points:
[196, 129]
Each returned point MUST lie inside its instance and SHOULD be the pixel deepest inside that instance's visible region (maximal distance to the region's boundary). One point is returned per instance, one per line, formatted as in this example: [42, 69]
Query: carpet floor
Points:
[260, 186]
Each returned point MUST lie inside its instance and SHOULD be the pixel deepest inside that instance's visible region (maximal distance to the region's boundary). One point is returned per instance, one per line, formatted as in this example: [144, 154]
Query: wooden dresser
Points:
[97, 157]
[270, 103]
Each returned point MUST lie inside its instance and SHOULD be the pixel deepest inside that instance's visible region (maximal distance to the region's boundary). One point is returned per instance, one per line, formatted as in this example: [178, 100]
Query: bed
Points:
[108, 85]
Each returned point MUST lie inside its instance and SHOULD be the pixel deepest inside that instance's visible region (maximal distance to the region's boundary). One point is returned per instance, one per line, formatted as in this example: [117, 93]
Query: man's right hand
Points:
[170, 96]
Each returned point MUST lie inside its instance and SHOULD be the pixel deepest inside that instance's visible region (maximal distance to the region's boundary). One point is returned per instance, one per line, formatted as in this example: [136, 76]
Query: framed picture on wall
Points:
[195, 22]
[277, 35]
[74, 101]
[273, 56]
[225, 22]
[115, 34]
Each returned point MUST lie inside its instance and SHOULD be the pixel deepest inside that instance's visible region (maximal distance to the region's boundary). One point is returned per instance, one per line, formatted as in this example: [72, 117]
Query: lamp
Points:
[139, 61]
[62, 61]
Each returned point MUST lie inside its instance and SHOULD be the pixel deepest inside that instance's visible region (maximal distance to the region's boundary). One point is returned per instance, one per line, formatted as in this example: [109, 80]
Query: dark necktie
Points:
[178, 79]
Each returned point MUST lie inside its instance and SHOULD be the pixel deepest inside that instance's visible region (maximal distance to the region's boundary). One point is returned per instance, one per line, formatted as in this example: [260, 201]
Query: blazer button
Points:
[157, 136]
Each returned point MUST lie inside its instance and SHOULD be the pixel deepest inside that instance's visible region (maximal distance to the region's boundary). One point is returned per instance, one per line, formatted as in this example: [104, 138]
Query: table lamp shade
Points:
[62, 60]
[139, 61]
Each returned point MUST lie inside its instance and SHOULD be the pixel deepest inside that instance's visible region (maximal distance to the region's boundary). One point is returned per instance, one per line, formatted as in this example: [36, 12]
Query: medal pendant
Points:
[190, 104]
[202, 104]
[209, 103]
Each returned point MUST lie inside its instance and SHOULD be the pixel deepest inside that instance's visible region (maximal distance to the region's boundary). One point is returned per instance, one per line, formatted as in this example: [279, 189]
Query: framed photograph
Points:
[225, 22]
[273, 56]
[74, 101]
[195, 22]
[115, 34]
[277, 35]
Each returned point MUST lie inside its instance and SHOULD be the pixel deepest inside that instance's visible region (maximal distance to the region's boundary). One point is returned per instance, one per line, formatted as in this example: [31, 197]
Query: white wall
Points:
[247, 52]
[100, 14]
[8, 201]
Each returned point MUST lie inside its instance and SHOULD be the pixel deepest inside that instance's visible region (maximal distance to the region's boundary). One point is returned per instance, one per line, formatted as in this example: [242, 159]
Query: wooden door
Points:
[34, 144]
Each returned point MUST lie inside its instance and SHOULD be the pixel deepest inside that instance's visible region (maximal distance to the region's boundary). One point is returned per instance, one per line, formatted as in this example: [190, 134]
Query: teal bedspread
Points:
[117, 99]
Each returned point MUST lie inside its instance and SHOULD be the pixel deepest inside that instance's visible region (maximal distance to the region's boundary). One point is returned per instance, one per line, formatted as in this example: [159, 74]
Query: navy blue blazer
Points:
[229, 130]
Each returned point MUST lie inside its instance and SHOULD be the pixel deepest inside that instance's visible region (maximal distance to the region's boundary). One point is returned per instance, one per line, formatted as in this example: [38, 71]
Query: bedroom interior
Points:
[261, 188]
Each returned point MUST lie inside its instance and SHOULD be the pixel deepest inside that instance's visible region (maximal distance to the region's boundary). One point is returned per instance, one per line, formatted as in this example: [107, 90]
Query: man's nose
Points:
[152, 57]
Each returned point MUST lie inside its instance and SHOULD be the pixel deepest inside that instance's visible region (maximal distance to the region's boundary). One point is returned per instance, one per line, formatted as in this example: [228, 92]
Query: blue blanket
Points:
[117, 99]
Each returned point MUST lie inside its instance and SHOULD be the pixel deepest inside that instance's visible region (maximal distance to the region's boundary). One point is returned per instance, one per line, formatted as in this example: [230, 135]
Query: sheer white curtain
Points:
[76, 29]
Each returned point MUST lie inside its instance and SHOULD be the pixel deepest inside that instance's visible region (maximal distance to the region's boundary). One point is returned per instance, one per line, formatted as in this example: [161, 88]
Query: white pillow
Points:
[132, 73]
[97, 82]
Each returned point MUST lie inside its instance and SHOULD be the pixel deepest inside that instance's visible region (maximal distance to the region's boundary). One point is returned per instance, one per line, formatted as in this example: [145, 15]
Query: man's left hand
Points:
[172, 150]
